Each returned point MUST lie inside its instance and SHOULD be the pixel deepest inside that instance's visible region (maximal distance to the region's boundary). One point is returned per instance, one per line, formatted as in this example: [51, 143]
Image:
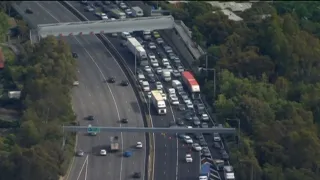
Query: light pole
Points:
[135, 63]
[149, 106]
[238, 121]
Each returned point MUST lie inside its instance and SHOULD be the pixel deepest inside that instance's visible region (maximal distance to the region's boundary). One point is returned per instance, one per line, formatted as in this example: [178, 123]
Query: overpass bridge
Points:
[105, 26]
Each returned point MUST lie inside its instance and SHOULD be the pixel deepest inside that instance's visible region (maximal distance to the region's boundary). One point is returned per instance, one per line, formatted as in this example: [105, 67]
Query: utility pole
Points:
[214, 75]
[238, 121]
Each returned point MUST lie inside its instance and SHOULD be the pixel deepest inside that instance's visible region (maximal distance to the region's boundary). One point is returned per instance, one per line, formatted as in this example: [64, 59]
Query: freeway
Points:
[170, 155]
[108, 103]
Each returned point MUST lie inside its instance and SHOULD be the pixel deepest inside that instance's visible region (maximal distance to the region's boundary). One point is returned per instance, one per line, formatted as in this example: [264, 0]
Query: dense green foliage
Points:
[45, 73]
[268, 78]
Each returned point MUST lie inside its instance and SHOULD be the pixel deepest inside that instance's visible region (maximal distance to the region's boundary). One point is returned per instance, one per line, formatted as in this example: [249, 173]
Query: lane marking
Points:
[86, 174]
[116, 106]
[84, 163]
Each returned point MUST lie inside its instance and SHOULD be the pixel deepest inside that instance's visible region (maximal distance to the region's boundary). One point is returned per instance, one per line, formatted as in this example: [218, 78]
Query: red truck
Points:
[191, 83]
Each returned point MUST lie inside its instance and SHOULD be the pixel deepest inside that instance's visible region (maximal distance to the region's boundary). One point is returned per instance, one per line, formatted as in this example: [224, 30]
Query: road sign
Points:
[93, 129]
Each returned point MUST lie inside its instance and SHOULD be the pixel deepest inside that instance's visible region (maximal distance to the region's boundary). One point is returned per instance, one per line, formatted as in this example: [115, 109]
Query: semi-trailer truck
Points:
[158, 102]
[136, 49]
[191, 83]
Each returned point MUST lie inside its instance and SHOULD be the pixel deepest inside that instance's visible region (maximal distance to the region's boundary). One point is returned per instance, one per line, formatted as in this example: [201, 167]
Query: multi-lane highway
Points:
[107, 102]
[169, 153]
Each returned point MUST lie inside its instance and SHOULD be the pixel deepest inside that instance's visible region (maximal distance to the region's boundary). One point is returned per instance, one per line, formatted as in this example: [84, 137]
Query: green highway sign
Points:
[93, 130]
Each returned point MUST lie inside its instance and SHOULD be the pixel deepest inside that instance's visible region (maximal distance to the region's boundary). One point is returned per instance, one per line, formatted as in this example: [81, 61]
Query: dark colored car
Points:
[205, 152]
[124, 83]
[90, 118]
[124, 120]
[225, 155]
[74, 55]
[136, 175]
[29, 11]
[180, 123]
[111, 80]
[217, 145]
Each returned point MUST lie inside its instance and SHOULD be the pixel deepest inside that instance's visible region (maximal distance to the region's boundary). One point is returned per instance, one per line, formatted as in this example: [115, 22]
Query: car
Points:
[188, 117]
[29, 11]
[188, 158]
[127, 154]
[156, 34]
[152, 79]
[180, 123]
[202, 142]
[181, 136]
[169, 68]
[224, 154]
[139, 145]
[180, 68]
[128, 12]
[149, 94]
[159, 85]
[177, 61]
[188, 139]
[136, 175]
[205, 117]
[218, 163]
[80, 153]
[90, 117]
[165, 62]
[176, 73]
[164, 96]
[124, 83]
[147, 69]
[155, 64]
[200, 112]
[182, 107]
[103, 152]
[151, 55]
[74, 55]
[85, 2]
[189, 105]
[111, 80]
[159, 40]
[89, 8]
[98, 4]
[124, 120]
[217, 145]
[198, 136]
[196, 147]
[205, 152]
[76, 83]
[196, 122]
[159, 70]
[204, 125]
[123, 6]
[152, 45]
[216, 137]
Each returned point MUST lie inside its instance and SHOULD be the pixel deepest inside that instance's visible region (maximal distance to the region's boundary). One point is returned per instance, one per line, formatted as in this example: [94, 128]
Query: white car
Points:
[149, 94]
[216, 137]
[151, 56]
[152, 45]
[187, 101]
[102, 15]
[169, 68]
[147, 68]
[165, 62]
[139, 145]
[164, 96]
[188, 139]
[188, 158]
[155, 64]
[103, 152]
[190, 105]
[128, 11]
[196, 147]
[159, 70]
[159, 85]
[76, 83]
[113, 19]
[205, 117]
[123, 5]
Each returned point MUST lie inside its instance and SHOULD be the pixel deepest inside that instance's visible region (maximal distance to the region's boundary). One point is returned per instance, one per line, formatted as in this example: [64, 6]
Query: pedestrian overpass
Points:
[105, 26]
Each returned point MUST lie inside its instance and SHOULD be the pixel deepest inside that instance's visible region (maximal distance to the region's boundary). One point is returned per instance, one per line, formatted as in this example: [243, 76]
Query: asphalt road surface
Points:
[170, 154]
[107, 102]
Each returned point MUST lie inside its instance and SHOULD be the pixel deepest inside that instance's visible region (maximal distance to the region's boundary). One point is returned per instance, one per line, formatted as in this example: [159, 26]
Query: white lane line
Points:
[177, 160]
[116, 106]
[84, 163]
[86, 175]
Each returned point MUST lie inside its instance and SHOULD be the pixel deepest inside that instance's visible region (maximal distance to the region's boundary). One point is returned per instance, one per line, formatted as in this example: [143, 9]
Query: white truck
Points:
[166, 75]
[158, 102]
[136, 49]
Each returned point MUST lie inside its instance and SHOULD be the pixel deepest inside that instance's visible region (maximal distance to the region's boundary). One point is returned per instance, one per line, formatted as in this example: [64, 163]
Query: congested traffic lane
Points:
[167, 148]
[113, 101]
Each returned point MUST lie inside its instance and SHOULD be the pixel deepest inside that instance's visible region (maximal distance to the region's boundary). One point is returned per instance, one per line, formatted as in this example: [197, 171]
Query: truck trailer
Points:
[136, 49]
[158, 102]
[205, 171]
[191, 83]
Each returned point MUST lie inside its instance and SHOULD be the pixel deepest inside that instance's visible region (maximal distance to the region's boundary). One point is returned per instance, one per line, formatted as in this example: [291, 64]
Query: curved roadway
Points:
[168, 152]
[107, 102]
